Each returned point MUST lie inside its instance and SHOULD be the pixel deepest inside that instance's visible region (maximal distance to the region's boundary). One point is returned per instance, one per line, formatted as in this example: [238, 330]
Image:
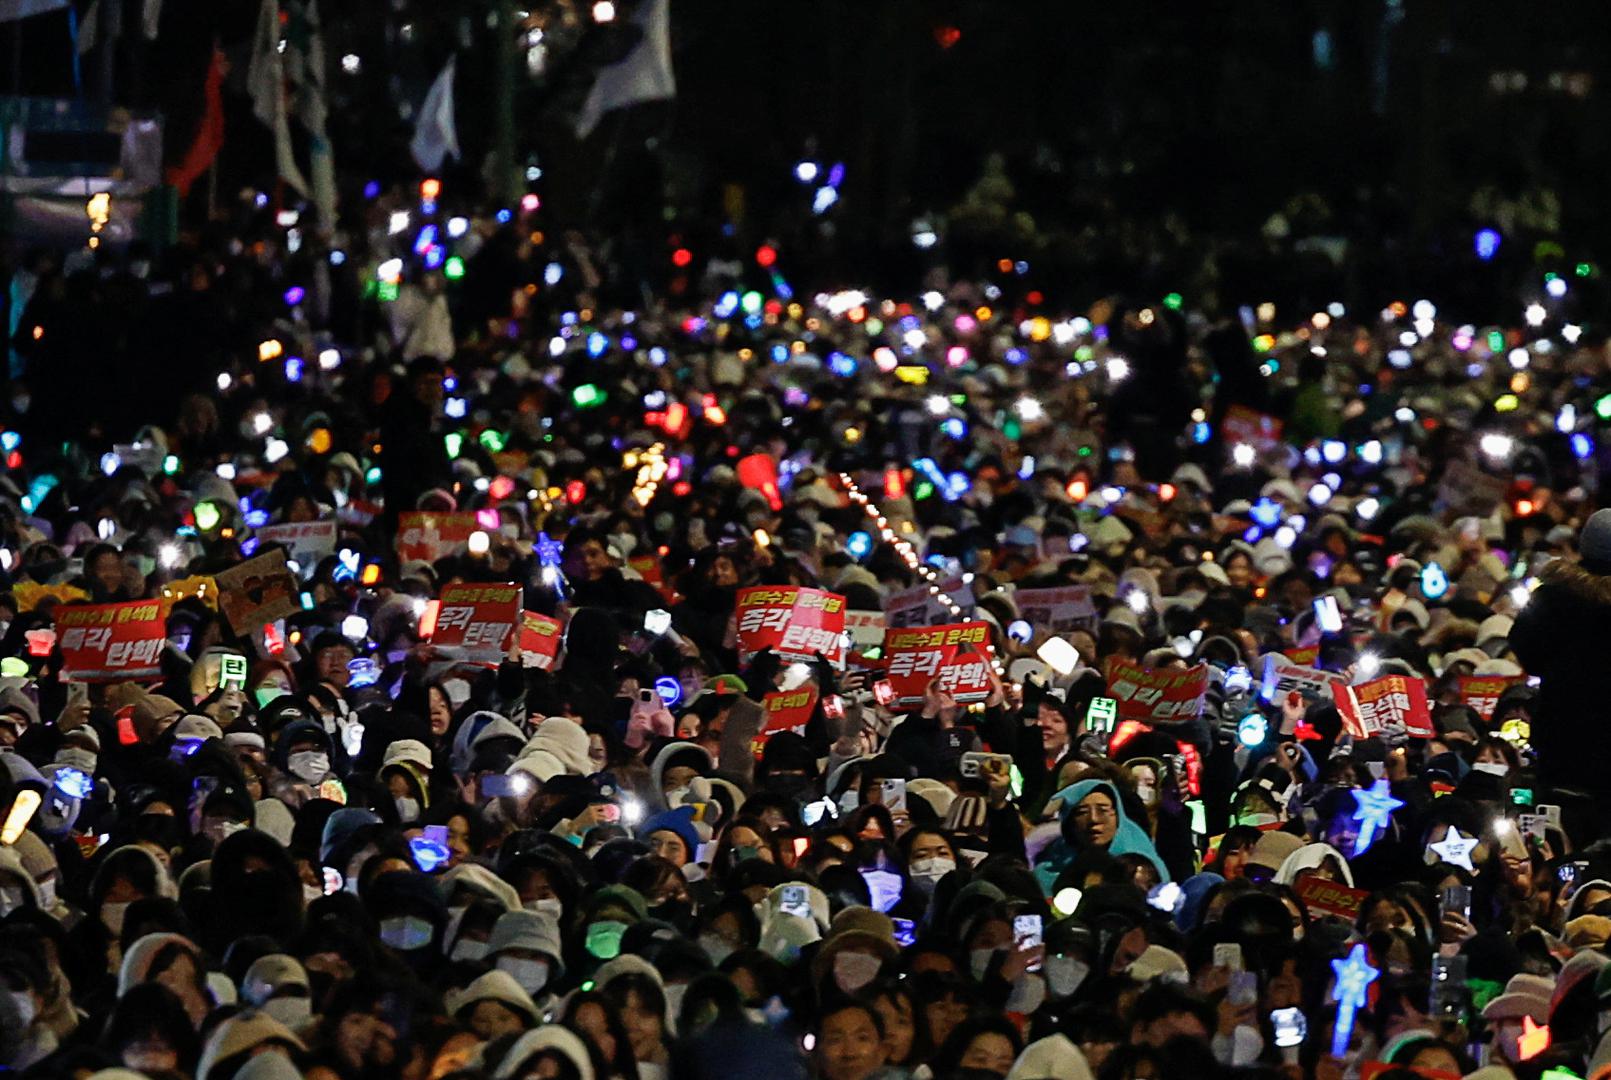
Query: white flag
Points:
[435, 133]
[11, 10]
[89, 28]
[265, 80]
[306, 70]
[644, 74]
[151, 18]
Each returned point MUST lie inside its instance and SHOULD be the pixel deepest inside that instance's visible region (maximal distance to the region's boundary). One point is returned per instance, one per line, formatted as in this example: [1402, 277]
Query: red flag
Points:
[209, 133]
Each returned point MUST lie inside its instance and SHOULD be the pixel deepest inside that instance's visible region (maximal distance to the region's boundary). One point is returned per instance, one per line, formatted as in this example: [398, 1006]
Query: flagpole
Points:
[504, 186]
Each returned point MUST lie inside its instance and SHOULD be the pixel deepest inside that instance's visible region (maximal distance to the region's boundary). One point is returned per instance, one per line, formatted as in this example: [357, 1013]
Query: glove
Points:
[760, 678]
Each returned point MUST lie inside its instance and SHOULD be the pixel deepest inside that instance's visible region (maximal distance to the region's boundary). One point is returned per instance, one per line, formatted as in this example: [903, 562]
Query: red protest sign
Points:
[956, 656]
[475, 621]
[1305, 656]
[787, 709]
[1391, 699]
[1481, 692]
[1057, 611]
[796, 623]
[1243, 425]
[1282, 677]
[1329, 897]
[1161, 694]
[422, 534]
[540, 638]
[111, 642]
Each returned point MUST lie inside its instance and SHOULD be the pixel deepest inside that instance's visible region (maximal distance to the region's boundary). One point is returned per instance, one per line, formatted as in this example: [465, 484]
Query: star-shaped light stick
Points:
[1354, 976]
[1455, 849]
[1375, 805]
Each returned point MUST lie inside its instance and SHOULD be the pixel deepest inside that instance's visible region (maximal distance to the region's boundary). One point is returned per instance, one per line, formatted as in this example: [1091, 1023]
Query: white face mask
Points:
[406, 932]
[47, 893]
[854, 970]
[23, 1005]
[469, 950]
[310, 766]
[12, 897]
[716, 947]
[931, 870]
[310, 893]
[293, 1012]
[548, 905]
[1492, 768]
[407, 809]
[532, 975]
[112, 917]
[1065, 974]
[979, 962]
[676, 796]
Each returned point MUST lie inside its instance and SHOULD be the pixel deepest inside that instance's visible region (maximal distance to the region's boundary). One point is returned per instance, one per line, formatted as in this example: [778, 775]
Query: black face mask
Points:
[799, 788]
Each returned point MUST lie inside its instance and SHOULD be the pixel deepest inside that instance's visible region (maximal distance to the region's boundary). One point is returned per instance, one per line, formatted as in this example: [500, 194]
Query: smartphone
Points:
[500, 787]
[1448, 997]
[608, 813]
[1456, 898]
[833, 708]
[905, 932]
[656, 622]
[976, 763]
[1551, 814]
[1244, 988]
[795, 901]
[646, 696]
[1026, 935]
[894, 791]
[232, 672]
[1228, 955]
[1291, 1027]
[1327, 615]
[884, 692]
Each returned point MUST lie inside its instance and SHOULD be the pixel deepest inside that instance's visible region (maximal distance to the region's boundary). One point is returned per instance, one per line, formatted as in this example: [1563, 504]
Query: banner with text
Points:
[111, 642]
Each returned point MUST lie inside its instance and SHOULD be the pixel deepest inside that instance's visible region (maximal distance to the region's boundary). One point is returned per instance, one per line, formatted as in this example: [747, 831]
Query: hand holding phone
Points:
[1026, 937]
[1327, 616]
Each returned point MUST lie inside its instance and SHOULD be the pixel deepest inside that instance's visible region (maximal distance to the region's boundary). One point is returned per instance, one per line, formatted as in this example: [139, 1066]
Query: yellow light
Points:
[22, 809]
[1519, 382]
[1266, 312]
[1506, 403]
[761, 538]
[1040, 328]
[982, 313]
[853, 435]
[269, 350]
[319, 441]
[371, 574]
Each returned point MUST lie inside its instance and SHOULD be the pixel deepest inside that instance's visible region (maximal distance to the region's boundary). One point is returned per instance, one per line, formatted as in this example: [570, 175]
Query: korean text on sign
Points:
[475, 621]
[1482, 692]
[111, 642]
[796, 623]
[955, 657]
[540, 639]
[1390, 700]
[1150, 695]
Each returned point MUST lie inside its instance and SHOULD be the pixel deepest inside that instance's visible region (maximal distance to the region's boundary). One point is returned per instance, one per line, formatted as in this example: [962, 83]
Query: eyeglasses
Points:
[1095, 812]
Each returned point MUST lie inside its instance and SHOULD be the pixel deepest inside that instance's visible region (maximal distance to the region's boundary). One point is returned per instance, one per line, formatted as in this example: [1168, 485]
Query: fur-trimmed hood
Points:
[1573, 576]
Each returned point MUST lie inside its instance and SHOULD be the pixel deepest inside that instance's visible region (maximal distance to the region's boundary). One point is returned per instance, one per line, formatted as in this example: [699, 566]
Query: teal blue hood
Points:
[1128, 839]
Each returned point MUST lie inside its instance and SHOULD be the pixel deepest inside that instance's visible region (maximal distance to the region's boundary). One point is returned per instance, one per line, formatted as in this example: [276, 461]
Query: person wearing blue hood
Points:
[1092, 816]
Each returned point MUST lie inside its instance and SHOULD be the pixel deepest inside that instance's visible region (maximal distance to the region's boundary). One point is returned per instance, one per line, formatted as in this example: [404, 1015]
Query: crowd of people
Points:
[1174, 826]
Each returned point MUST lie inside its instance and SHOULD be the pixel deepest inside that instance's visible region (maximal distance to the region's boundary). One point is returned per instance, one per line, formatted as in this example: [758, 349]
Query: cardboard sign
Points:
[1057, 611]
[1481, 692]
[1244, 425]
[111, 642]
[1282, 677]
[475, 621]
[1369, 707]
[540, 639]
[919, 607]
[866, 629]
[257, 591]
[787, 709]
[1329, 897]
[1152, 695]
[796, 623]
[430, 536]
[956, 656]
[306, 541]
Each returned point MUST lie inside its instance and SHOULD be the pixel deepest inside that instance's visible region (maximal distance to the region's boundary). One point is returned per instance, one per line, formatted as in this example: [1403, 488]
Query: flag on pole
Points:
[643, 75]
[435, 133]
[12, 10]
[265, 80]
[151, 18]
[209, 132]
[306, 71]
[89, 28]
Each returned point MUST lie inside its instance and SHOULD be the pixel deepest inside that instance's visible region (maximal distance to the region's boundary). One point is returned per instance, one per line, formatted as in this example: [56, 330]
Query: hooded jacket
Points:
[1563, 636]
[1128, 837]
